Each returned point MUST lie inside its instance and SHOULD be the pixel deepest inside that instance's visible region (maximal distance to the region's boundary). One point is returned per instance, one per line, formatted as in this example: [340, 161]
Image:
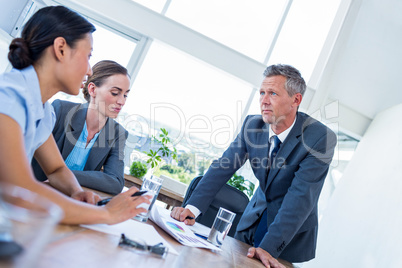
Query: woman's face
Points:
[77, 67]
[111, 96]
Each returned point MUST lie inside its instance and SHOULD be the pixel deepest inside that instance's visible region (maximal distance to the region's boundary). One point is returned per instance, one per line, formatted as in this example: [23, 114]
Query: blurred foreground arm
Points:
[16, 169]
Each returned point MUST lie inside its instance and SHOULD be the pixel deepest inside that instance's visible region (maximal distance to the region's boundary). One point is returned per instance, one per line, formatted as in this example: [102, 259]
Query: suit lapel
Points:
[74, 127]
[291, 141]
[102, 144]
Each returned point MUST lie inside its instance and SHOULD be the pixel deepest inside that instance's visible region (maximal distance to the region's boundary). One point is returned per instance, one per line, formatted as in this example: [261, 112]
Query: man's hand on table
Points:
[183, 214]
[264, 257]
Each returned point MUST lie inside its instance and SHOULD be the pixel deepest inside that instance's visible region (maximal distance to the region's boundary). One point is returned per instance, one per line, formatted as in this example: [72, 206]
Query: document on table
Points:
[178, 230]
[200, 230]
[133, 230]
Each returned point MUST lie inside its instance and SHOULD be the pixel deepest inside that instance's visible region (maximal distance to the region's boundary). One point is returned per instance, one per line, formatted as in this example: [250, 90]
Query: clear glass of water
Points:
[221, 226]
[152, 185]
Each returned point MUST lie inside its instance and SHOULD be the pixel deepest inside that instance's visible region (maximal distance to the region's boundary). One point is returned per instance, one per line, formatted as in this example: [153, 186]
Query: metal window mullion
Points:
[138, 57]
[278, 30]
[141, 51]
[268, 55]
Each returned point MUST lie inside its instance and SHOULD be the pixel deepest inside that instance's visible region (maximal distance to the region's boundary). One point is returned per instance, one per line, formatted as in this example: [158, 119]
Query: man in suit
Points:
[289, 153]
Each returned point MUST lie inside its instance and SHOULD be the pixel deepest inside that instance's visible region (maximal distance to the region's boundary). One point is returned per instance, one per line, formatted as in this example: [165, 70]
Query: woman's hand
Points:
[86, 196]
[123, 206]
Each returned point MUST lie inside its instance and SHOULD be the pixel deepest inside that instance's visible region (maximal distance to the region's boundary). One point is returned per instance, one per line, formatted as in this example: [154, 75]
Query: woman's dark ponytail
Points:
[42, 29]
[19, 54]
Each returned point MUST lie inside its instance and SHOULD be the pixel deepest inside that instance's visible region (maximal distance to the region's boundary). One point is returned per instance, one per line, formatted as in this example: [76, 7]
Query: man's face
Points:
[277, 107]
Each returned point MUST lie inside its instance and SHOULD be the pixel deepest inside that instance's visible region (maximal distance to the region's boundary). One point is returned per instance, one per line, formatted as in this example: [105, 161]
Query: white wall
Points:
[362, 225]
[358, 70]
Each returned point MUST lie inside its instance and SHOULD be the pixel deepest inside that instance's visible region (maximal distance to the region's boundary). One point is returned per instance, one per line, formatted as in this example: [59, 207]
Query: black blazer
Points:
[289, 191]
[107, 151]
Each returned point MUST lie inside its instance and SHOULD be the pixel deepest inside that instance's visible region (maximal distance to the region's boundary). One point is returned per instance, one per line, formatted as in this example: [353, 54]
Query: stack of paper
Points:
[200, 230]
[178, 230]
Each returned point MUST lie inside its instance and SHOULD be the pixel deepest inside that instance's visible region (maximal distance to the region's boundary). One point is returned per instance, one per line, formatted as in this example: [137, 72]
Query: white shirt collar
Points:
[282, 136]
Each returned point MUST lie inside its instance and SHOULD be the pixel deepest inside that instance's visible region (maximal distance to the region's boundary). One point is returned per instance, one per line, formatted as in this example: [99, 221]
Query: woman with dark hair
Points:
[86, 134]
[52, 55]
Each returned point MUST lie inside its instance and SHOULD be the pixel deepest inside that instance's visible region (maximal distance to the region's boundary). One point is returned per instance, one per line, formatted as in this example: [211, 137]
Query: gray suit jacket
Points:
[289, 189]
[107, 151]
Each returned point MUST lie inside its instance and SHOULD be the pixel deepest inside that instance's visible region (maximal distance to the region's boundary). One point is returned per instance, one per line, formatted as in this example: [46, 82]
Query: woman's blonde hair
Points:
[100, 72]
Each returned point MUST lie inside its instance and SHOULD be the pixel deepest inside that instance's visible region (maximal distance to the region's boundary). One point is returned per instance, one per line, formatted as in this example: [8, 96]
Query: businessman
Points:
[289, 153]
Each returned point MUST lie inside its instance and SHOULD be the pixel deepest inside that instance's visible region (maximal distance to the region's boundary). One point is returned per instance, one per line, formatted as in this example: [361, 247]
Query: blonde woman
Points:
[86, 134]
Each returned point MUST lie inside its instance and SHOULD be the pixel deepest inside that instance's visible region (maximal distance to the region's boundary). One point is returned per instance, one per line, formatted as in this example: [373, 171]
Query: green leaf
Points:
[243, 185]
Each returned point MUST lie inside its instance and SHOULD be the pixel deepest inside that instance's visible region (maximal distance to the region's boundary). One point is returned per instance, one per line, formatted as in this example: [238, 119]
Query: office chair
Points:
[228, 197]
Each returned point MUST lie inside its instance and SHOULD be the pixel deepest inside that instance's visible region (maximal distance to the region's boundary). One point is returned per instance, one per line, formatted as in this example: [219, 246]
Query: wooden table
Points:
[75, 246]
[171, 198]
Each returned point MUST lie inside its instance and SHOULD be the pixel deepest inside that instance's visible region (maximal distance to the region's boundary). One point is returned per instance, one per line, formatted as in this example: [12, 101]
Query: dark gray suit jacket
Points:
[289, 191]
[107, 151]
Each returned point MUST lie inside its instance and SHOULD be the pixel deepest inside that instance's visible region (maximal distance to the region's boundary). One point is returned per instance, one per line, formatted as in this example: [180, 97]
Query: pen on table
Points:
[106, 200]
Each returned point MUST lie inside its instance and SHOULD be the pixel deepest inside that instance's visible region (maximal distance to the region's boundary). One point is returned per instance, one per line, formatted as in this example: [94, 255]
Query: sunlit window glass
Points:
[304, 33]
[198, 104]
[245, 26]
[111, 46]
[4, 44]
[107, 45]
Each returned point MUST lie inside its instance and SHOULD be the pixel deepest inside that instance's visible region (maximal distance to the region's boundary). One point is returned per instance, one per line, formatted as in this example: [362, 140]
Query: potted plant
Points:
[243, 185]
[166, 149]
[138, 169]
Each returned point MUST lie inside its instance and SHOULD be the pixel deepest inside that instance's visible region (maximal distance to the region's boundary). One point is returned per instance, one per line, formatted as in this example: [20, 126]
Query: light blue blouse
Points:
[20, 99]
[78, 157]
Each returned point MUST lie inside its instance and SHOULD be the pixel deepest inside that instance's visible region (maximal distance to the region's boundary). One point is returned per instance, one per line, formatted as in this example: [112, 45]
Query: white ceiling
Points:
[364, 69]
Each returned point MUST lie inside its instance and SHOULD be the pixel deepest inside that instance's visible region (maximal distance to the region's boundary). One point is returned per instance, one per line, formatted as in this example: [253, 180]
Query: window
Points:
[5, 40]
[108, 45]
[304, 33]
[244, 26]
[198, 104]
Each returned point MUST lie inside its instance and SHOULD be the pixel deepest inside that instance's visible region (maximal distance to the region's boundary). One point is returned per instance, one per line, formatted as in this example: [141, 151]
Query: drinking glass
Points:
[221, 226]
[27, 221]
[152, 185]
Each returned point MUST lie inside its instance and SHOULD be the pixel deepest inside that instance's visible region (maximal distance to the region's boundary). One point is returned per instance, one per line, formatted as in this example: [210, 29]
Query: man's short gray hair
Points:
[294, 81]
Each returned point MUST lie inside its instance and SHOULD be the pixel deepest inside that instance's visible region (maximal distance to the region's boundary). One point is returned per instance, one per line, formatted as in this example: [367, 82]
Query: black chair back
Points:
[228, 197]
